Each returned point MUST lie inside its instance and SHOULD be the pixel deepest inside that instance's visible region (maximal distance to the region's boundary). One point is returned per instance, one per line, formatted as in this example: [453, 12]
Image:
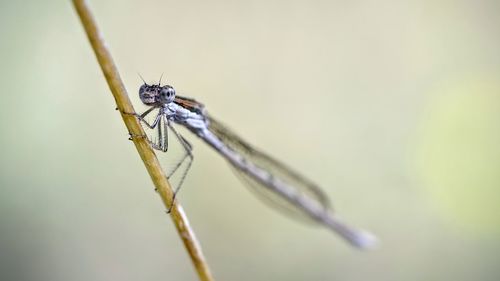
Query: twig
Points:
[147, 155]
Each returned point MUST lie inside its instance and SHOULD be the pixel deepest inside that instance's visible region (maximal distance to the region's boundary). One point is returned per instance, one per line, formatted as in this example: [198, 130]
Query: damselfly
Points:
[275, 182]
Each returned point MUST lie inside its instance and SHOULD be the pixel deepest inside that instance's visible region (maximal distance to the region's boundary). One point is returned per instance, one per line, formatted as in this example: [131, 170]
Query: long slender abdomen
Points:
[357, 238]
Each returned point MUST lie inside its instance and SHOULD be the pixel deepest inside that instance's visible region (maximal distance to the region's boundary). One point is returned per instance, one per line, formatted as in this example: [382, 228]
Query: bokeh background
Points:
[392, 106]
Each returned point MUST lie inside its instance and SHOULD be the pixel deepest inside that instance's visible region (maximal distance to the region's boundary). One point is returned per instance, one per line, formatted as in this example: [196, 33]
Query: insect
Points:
[273, 181]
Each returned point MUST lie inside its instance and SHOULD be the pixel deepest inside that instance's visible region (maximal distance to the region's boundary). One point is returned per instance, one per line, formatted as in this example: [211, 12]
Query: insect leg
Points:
[143, 120]
[142, 116]
[188, 148]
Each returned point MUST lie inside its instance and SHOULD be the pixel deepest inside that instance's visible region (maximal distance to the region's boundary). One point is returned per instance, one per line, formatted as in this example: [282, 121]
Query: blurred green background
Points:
[392, 106]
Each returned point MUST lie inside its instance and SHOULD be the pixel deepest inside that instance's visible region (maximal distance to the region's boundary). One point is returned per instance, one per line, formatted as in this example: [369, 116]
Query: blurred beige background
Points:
[392, 106]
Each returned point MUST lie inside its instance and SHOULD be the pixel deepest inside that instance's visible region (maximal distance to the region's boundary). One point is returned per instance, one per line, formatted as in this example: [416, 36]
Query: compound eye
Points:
[167, 93]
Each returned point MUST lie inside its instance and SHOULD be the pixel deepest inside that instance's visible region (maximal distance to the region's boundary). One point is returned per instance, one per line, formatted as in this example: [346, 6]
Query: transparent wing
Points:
[276, 168]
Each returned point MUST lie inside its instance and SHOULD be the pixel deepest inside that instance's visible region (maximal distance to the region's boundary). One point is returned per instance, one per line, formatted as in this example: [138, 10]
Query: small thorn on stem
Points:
[133, 136]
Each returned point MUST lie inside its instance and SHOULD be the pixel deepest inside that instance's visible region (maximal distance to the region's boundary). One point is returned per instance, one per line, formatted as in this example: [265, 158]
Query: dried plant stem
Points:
[147, 155]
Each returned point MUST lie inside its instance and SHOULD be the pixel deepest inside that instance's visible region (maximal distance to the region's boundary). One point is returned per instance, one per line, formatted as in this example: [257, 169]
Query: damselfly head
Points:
[156, 95]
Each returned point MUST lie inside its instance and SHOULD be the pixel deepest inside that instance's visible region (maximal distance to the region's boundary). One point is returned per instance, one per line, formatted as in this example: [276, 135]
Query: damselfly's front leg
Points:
[162, 143]
[143, 120]
[142, 117]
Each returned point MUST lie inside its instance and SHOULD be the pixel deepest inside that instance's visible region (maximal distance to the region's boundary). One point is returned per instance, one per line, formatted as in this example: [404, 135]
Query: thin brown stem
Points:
[143, 148]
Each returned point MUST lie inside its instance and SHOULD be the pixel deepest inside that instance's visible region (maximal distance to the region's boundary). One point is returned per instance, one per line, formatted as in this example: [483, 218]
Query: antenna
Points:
[141, 78]
[159, 82]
